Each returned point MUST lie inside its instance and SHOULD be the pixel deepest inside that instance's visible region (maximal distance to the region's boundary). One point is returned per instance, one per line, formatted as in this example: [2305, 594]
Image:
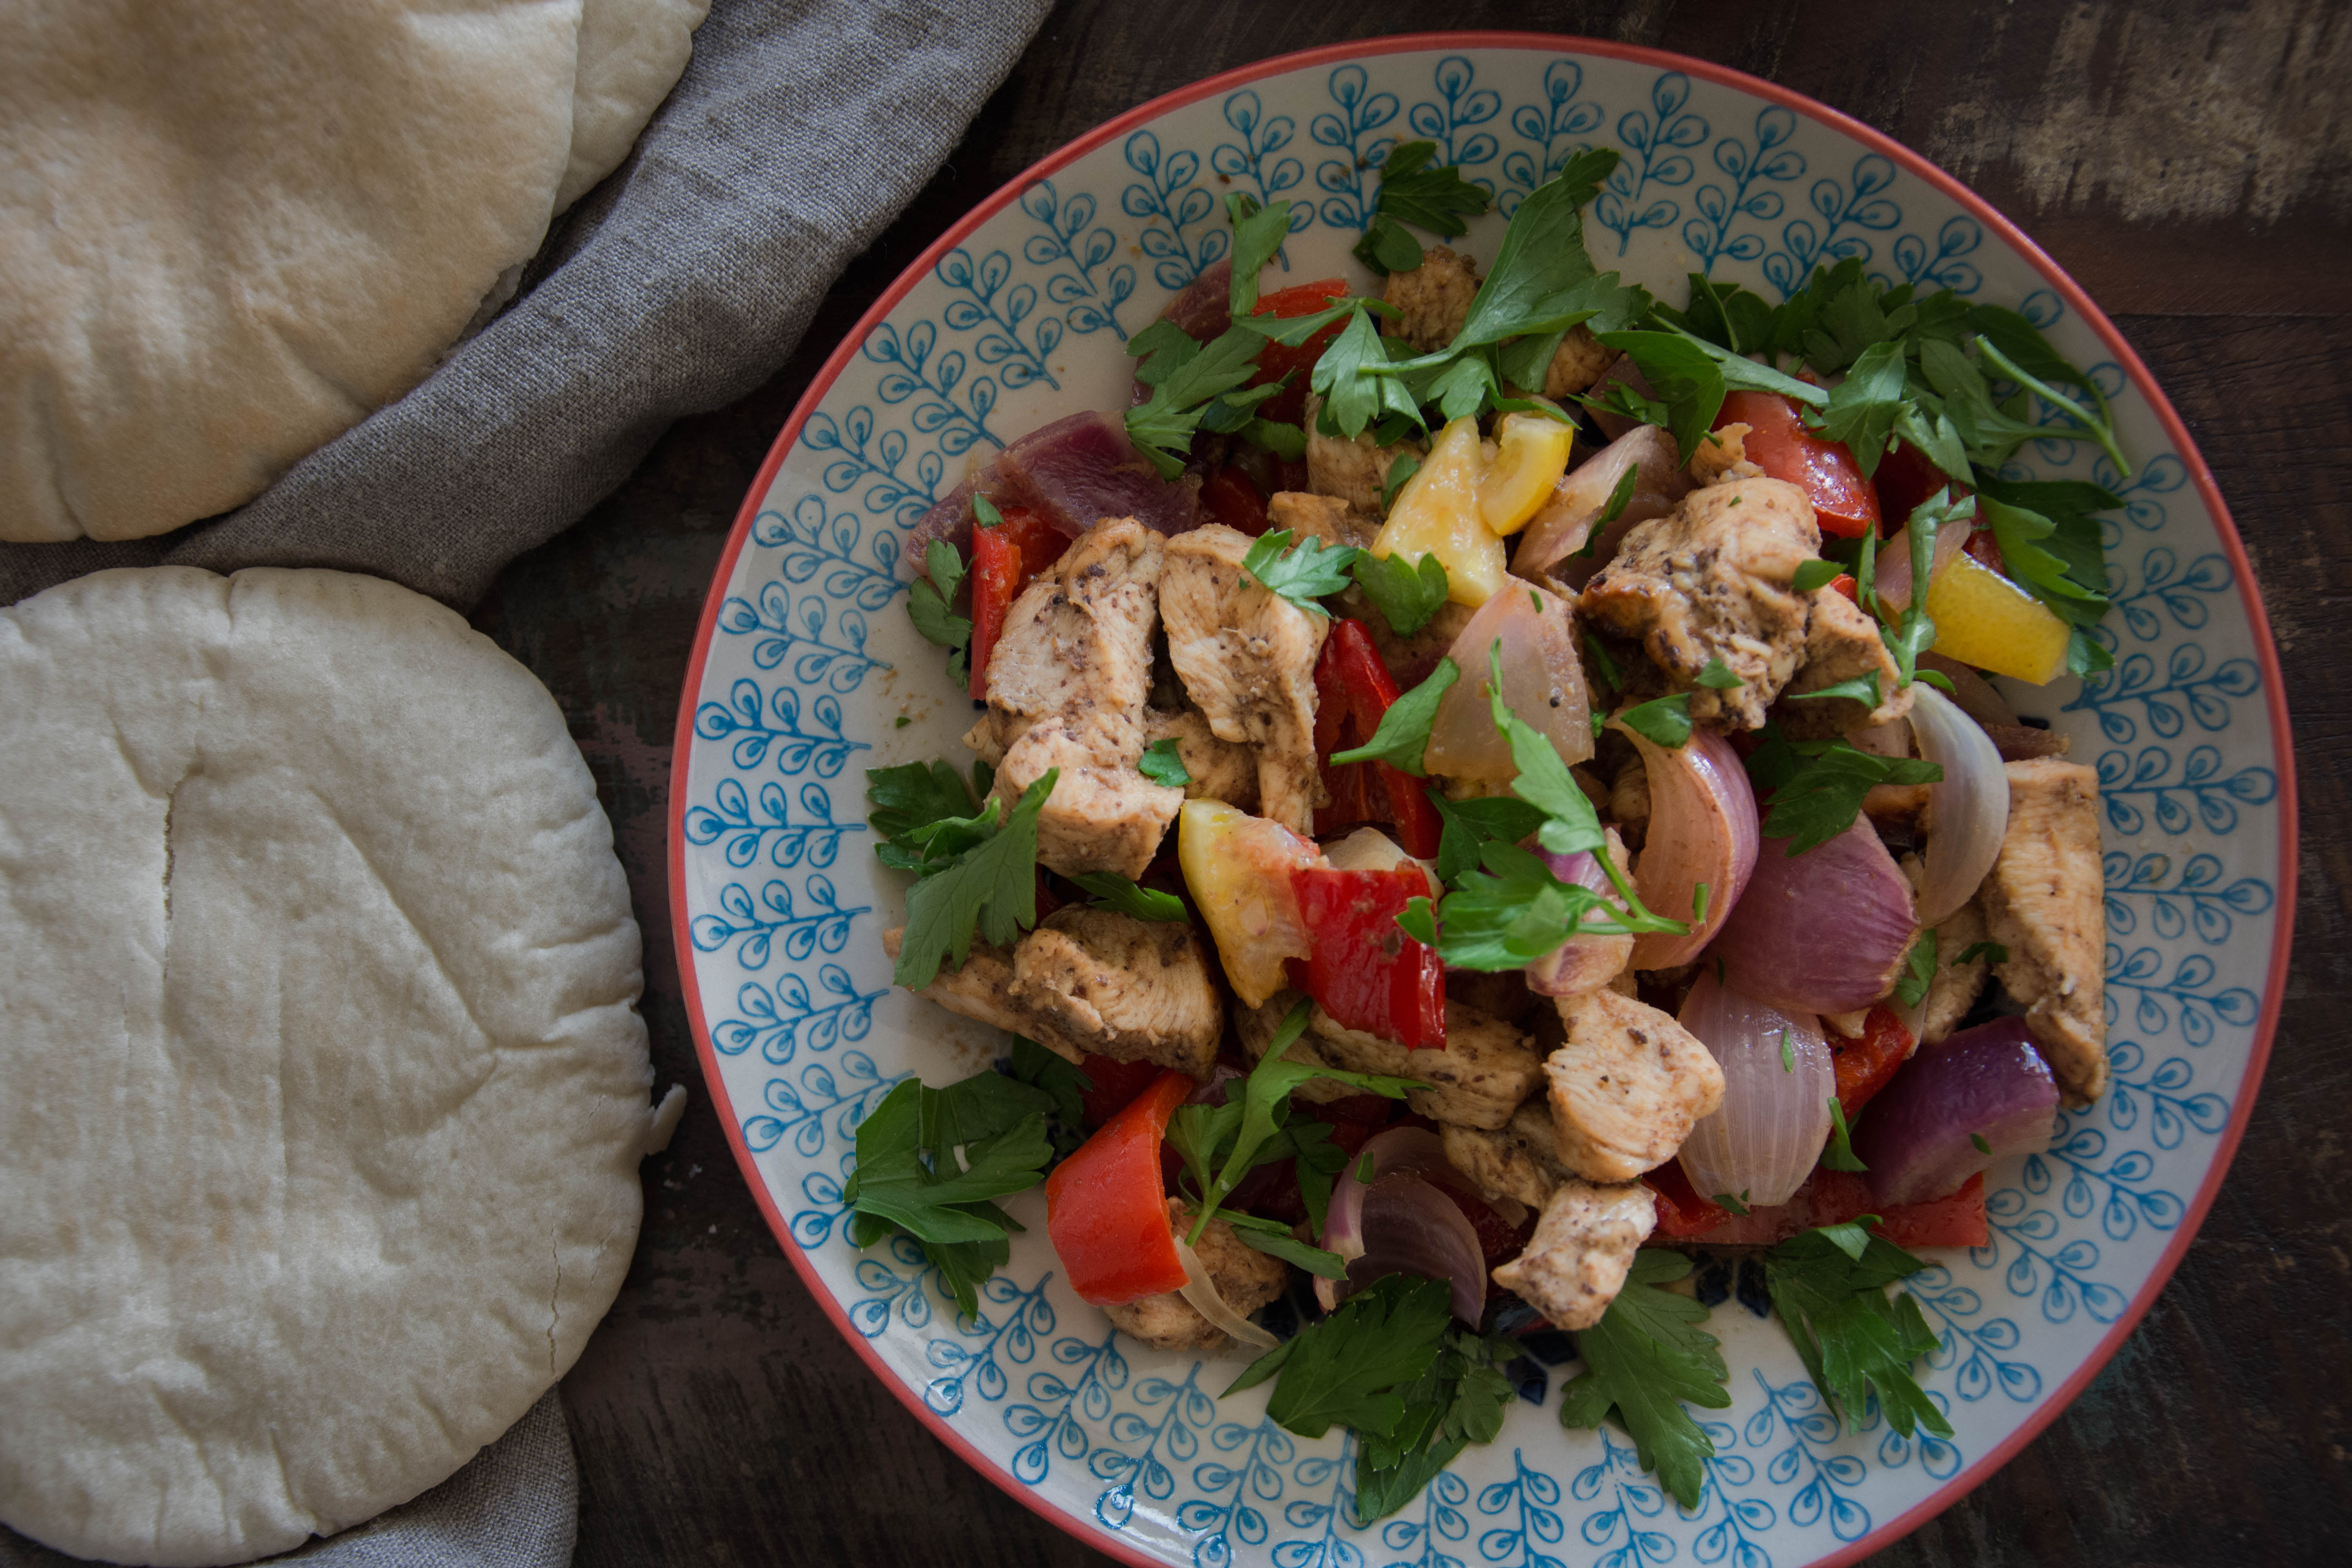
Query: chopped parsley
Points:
[1664, 720]
[1991, 951]
[1918, 970]
[1163, 763]
[1117, 893]
[1300, 576]
[1407, 593]
[979, 878]
[1402, 736]
[1816, 574]
[928, 602]
[1838, 1153]
[1829, 1287]
[1816, 788]
[1436, 199]
[1643, 1360]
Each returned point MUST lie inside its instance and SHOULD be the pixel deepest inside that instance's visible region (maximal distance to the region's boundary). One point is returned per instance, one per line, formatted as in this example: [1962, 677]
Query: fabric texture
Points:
[798, 131]
[516, 1505]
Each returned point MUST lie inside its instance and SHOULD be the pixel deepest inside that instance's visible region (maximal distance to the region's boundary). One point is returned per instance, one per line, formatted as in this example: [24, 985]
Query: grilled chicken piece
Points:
[1626, 1087]
[1434, 298]
[1715, 579]
[2043, 902]
[1247, 1277]
[1843, 643]
[1519, 1160]
[1093, 981]
[1487, 1068]
[1248, 658]
[1352, 471]
[1327, 517]
[1576, 1262]
[1956, 987]
[1066, 689]
[1219, 770]
[1256, 1025]
[1579, 362]
[1723, 455]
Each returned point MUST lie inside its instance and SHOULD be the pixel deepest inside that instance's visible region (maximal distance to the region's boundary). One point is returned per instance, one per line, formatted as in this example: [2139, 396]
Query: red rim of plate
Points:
[2283, 758]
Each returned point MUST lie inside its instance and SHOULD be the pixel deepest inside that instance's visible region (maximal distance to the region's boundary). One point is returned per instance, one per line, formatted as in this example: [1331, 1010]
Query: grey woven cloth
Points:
[799, 130]
[515, 1506]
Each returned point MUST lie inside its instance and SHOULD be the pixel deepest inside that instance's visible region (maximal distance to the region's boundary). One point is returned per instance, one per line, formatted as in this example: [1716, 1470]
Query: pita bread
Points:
[230, 230]
[632, 52]
[326, 1090]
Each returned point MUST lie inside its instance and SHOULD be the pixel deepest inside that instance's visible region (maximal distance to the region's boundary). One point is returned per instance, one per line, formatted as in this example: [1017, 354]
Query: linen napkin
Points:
[797, 133]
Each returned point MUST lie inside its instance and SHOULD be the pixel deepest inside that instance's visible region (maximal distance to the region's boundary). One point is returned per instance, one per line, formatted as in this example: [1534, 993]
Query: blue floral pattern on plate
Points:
[813, 675]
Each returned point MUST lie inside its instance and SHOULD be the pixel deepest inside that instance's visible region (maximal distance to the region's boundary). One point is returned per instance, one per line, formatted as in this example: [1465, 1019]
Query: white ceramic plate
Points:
[806, 673]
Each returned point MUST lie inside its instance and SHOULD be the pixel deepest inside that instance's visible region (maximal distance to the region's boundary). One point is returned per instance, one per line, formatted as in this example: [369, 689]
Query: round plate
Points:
[806, 673]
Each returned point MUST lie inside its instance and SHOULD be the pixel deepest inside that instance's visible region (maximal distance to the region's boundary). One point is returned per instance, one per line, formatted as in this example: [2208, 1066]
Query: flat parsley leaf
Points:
[1302, 575]
[1664, 720]
[1436, 199]
[1462, 1399]
[913, 795]
[1816, 788]
[1471, 824]
[1114, 892]
[1257, 235]
[1829, 1287]
[1403, 734]
[1353, 1368]
[929, 597]
[989, 890]
[1401, 467]
[1643, 1358]
[1040, 1068]
[1353, 393]
[1718, 675]
[1406, 594]
[1838, 1153]
[1163, 763]
[1861, 689]
[907, 1176]
[1196, 388]
[1813, 575]
[1991, 951]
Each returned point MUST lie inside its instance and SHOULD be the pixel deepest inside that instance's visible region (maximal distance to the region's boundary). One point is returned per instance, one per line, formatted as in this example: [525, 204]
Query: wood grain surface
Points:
[2192, 165]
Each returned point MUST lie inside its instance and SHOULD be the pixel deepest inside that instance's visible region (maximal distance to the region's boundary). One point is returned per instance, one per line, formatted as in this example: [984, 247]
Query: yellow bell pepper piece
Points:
[1532, 456]
[1436, 513]
[1984, 619]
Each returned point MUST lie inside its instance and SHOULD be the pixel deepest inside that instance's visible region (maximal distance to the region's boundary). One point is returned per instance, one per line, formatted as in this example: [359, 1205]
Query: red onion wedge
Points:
[1919, 1135]
[1401, 1223]
[1968, 812]
[1824, 931]
[1583, 963]
[1555, 537]
[1543, 683]
[1893, 578]
[1702, 828]
[1778, 1077]
[1200, 1291]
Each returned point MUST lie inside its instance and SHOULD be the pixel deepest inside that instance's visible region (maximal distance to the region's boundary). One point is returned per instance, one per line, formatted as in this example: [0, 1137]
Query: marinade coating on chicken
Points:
[1577, 1260]
[1220, 769]
[1247, 659]
[1091, 981]
[1485, 1071]
[1626, 1087]
[1581, 360]
[1716, 578]
[1246, 1278]
[1327, 518]
[1354, 471]
[1519, 1159]
[1067, 684]
[1433, 299]
[1843, 643]
[1723, 455]
[2044, 902]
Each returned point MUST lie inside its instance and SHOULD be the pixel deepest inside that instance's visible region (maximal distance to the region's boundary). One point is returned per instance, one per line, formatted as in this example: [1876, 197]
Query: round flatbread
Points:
[632, 53]
[325, 1085]
[230, 230]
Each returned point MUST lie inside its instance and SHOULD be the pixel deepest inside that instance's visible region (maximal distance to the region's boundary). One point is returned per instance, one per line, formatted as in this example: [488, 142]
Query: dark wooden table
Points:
[2194, 172]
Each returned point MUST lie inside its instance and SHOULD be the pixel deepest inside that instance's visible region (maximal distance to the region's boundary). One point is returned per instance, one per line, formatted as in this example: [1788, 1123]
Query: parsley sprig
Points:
[1644, 1358]
[1302, 573]
[1407, 595]
[930, 602]
[1391, 1365]
[1829, 1287]
[1816, 788]
[1436, 199]
[977, 873]
[908, 1176]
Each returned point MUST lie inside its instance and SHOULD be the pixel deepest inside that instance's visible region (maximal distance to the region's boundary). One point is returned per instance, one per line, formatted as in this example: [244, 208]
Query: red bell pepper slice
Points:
[1352, 689]
[1844, 503]
[1364, 970]
[1681, 1211]
[1106, 1210]
[1865, 1065]
[1833, 1197]
[1004, 557]
[1288, 407]
[1844, 584]
[1955, 1221]
[1228, 496]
